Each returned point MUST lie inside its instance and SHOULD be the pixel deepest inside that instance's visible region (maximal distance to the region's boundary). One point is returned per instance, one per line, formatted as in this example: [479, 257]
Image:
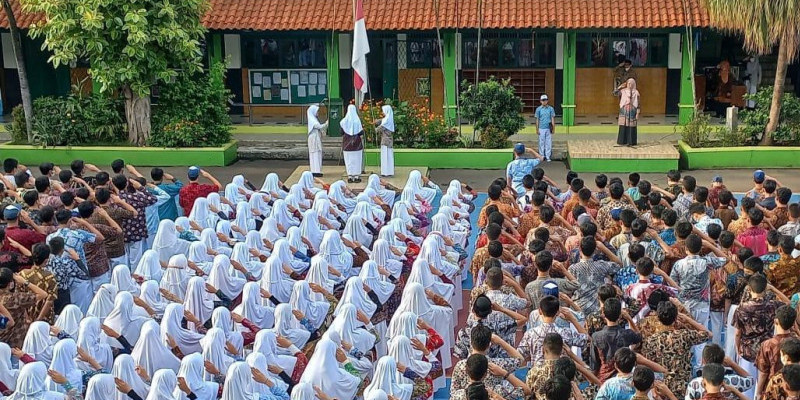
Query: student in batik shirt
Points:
[481, 337]
[533, 339]
[735, 376]
[786, 384]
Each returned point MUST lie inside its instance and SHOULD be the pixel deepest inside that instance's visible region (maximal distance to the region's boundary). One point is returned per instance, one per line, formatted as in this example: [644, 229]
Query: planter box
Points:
[104, 155]
[739, 157]
[445, 158]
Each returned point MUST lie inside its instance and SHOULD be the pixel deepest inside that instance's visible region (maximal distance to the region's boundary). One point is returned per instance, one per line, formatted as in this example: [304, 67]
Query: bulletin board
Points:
[289, 86]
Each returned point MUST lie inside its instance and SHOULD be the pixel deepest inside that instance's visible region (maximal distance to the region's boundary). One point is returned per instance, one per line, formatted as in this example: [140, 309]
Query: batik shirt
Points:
[533, 339]
[672, 348]
[591, 274]
[540, 373]
[691, 274]
[74, 239]
[136, 228]
[617, 388]
[784, 274]
[65, 270]
[460, 379]
[681, 206]
[695, 390]
[754, 320]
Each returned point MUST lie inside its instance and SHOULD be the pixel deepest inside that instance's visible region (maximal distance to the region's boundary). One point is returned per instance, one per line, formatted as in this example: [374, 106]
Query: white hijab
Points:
[200, 213]
[149, 266]
[388, 120]
[163, 382]
[89, 340]
[310, 228]
[241, 254]
[406, 325]
[354, 294]
[269, 230]
[281, 214]
[324, 371]
[356, 226]
[152, 296]
[69, 321]
[232, 193]
[275, 280]
[244, 220]
[421, 273]
[198, 301]
[7, 375]
[333, 251]
[282, 250]
[382, 255]
[214, 351]
[38, 342]
[31, 384]
[267, 344]
[165, 243]
[253, 241]
[214, 199]
[253, 309]
[151, 353]
[318, 273]
[336, 193]
[198, 253]
[221, 318]
[64, 354]
[126, 319]
[101, 387]
[121, 278]
[176, 276]
[222, 278]
[287, 325]
[239, 383]
[385, 379]
[183, 223]
[188, 341]
[413, 300]
[349, 328]
[351, 123]
[379, 284]
[259, 362]
[125, 370]
[257, 202]
[295, 239]
[192, 371]
[400, 348]
[272, 185]
[303, 391]
[311, 117]
[315, 311]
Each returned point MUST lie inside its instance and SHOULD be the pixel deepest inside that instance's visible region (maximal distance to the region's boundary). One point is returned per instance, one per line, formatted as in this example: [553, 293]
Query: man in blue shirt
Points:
[546, 122]
[170, 209]
[525, 160]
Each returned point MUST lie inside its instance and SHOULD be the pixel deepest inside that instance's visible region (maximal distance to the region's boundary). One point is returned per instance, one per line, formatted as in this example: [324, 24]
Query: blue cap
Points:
[11, 212]
[716, 179]
[519, 148]
[759, 176]
[194, 172]
[615, 213]
[550, 288]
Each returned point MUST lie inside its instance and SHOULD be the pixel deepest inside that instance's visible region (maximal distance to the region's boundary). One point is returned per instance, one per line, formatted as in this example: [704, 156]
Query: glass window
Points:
[423, 53]
[545, 50]
[470, 53]
[509, 53]
[490, 52]
[270, 52]
[526, 53]
[659, 50]
[583, 51]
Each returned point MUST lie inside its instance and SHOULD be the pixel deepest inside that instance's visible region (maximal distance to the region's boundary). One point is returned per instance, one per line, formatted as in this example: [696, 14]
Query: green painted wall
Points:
[445, 158]
[568, 91]
[450, 77]
[333, 67]
[738, 157]
[686, 104]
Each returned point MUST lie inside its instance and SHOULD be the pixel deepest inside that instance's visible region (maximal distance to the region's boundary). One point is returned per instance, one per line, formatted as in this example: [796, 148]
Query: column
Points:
[333, 66]
[568, 94]
[686, 105]
[450, 50]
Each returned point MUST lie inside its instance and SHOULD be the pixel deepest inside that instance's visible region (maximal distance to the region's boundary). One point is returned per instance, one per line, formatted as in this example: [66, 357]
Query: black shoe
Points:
[317, 175]
[357, 180]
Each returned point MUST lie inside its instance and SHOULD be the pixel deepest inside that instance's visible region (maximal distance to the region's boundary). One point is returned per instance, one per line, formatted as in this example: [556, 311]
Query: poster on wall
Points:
[599, 46]
[638, 52]
[423, 86]
[620, 51]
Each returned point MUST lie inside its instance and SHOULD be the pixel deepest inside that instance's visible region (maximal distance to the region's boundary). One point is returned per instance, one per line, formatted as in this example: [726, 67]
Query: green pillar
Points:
[568, 94]
[686, 105]
[450, 77]
[333, 67]
[215, 48]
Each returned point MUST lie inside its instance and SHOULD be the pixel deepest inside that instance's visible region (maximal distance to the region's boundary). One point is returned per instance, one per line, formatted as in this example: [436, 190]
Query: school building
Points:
[285, 54]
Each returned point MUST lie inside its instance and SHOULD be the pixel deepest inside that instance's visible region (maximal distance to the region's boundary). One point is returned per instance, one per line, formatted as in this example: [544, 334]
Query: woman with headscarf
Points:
[260, 206]
[327, 212]
[384, 257]
[198, 301]
[258, 362]
[319, 274]
[126, 319]
[422, 188]
[161, 387]
[89, 339]
[69, 320]
[269, 231]
[213, 344]
[151, 353]
[437, 313]
[380, 290]
[242, 254]
[64, 354]
[151, 295]
[191, 372]
[303, 391]
[355, 293]
[315, 311]
[225, 235]
[287, 325]
[273, 186]
[385, 379]
[379, 186]
[417, 371]
[38, 343]
[443, 268]
[352, 329]
[167, 243]
[282, 250]
[300, 200]
[266, 343]
[211, 239]
[334, 252]
[171, 325]
[352, 146]
[8, 375]
[149, 267]
[297, 241]
[31, 384]
[283, 217]
[200, 255]
[311, 231]
[385, 127]
[276, 281]
[221, 318]
[232, 194]
[240, 381]
[224, 208]
[121, 278]
[325, 371]
[629, 109]
[338, 196]
[201, 215]
[125, 370]
[315, 131]
[176, 276]
[360, 224]
[421, 273]
[222, 278]
[245, 221]
[252, 308]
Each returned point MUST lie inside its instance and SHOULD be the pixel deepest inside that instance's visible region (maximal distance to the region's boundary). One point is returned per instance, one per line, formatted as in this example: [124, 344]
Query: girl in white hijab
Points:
[389, 234]
[421, 273]
[214, 351]
[349, 328]
[315, 130]
[64, 354]
[192, 371]
[326, 210]
[431, 251]
[199, 255]
[8, 375]
[122, 279]
[259, 362]
[245, 221]
[31, 384]
[338, 196]
[201, 214]
[225, 234]
[222, 278]
[38, 343]
[295, 239]
[282, 215]
[253, 241]
[253, 309]
[126, 319]
[301, 203]
[400, 349]
[282, 250]
[287, 325]
[69, 321]
[242, 184]
[151, 353]
[420, 190]
[183, 224]
[301, 300]
[303, 391]
[388, 196]
[275, 281]
[239, 383]
[352, 147]
[369, 196]
[318, 273]
[407, 324]
[188, 341]
[356, 225]
[222, 205]
[273, 186]
[259, 206]
[149, 266]
[266, 343]
[384, 258]
[101, 387]
[241, 254]
[167, 243]
[307, 182]
[198, 301]
[152, 296]
[311, 230]
[269, 231]
[163, 382]
[385, 379]
[378, 283]
[440, 318]
[210, 239]
[89, 340]
[333, 251]
[232, 194]
[325, 372]
[386, 128]
[221, 318]
[355, 294]
[176, 276]
[125, 370]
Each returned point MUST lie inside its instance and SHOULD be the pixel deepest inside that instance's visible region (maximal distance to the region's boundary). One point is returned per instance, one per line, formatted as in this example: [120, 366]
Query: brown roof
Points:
[261, 15]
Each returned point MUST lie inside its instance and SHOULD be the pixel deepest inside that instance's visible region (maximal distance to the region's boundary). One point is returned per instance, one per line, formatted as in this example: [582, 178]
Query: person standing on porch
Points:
[752, 78]
[546, 122]
[628, 114]
[386, 130]
[315, 130]
[352, 147]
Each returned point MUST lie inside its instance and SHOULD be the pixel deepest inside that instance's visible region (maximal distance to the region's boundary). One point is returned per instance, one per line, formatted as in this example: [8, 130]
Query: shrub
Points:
[192, 111]
[76, 120]
[699, 132]
[494, 108]
[755, 121]
[415, 125]
[19, 133]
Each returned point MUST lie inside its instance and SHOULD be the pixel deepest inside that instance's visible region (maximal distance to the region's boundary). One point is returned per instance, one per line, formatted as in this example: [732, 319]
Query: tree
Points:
[22, 71]
[130, 45]
[763, 23]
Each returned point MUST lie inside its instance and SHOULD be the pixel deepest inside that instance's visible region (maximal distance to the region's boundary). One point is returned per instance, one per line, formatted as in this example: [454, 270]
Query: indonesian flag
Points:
[360, 51]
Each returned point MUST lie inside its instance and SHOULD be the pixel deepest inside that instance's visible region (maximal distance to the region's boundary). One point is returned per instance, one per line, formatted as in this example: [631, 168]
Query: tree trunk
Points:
[25, 91]
[777, 95]
[137, 114]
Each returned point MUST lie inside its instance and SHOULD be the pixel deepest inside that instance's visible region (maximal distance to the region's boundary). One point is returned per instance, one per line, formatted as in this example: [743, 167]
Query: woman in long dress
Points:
[628, 114]
[386, 129]
[315, 129]
[352, 147]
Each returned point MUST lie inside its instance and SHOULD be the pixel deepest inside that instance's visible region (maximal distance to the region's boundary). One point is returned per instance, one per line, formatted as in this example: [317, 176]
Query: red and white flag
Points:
[360, 51]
